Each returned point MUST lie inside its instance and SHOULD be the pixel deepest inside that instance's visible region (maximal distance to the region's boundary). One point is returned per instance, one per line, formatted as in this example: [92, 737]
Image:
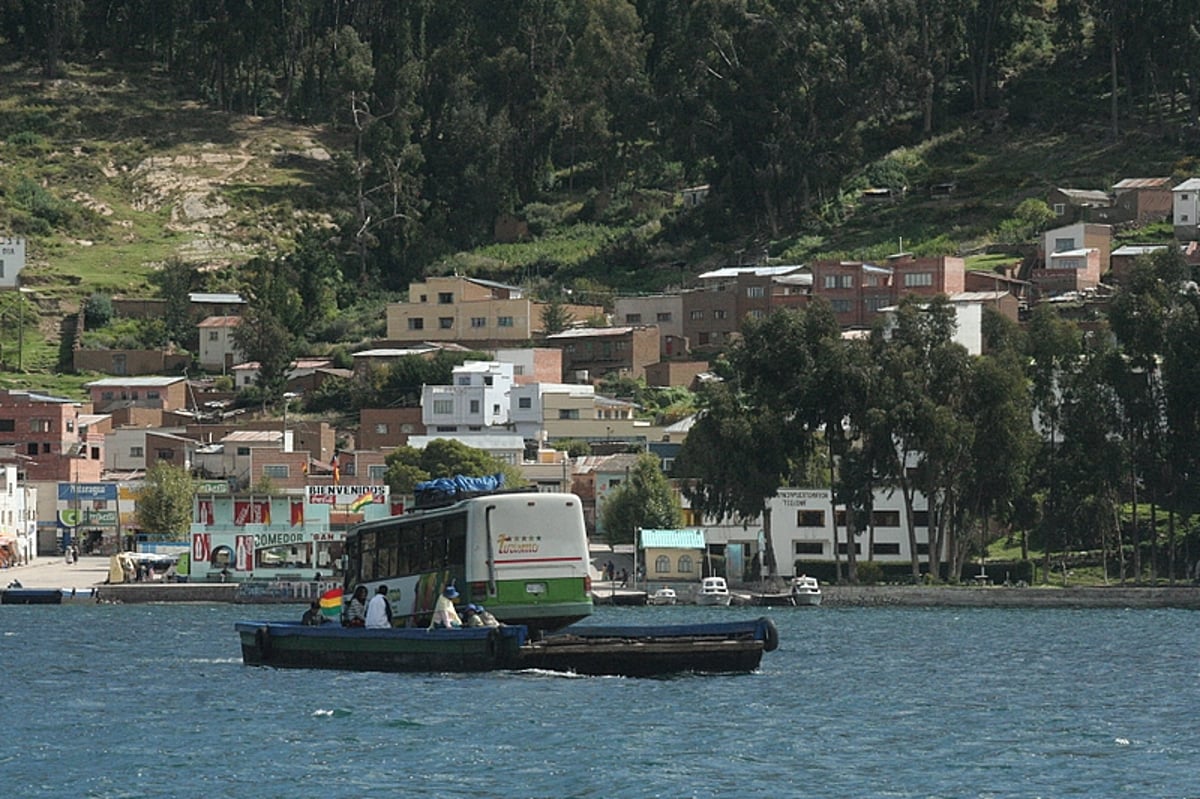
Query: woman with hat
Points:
[444, 613]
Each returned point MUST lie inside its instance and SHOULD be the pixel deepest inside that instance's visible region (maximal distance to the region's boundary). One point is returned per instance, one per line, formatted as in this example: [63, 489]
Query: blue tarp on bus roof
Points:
[441, 489]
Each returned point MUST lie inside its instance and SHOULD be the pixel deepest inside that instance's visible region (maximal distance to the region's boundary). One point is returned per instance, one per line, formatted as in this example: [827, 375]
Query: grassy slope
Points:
[152, 176]
[146, 176]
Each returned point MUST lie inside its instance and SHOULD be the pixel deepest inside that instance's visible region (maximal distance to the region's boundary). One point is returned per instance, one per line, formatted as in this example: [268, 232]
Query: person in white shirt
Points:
[379, 610]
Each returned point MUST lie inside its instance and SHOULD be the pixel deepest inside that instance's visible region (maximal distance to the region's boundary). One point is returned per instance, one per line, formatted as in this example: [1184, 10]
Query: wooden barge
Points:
[629, 651]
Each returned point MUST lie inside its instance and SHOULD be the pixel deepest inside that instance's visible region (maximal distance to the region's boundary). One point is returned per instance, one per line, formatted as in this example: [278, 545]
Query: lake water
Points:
[153, 701]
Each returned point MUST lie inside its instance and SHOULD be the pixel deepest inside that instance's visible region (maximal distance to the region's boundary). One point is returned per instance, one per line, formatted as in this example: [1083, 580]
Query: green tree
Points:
[164, 505]
[407, 466]
[645, 500]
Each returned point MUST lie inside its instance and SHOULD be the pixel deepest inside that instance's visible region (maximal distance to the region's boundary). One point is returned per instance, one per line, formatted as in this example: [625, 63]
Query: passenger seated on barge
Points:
[445, 616]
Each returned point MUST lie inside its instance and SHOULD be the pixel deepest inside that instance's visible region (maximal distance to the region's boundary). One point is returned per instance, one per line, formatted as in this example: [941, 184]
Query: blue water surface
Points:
[153, 701]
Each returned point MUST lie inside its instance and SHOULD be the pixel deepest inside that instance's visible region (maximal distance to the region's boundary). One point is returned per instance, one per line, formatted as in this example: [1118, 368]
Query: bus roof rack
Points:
[447, 490]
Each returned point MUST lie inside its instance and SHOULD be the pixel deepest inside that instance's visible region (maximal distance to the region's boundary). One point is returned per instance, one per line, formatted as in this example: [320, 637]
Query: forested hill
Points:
[409, 128]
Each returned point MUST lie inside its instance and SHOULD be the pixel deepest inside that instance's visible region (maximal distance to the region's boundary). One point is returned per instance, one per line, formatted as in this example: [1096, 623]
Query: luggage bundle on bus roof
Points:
[447, 490]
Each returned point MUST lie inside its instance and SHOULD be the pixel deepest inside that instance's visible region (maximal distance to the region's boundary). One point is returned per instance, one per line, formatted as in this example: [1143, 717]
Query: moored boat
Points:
[713, 591]
[806, 591]
[631, 651]
[663, 596]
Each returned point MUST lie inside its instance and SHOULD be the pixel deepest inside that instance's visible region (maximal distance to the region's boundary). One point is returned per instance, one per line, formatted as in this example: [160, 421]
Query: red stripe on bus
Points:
[536, 560]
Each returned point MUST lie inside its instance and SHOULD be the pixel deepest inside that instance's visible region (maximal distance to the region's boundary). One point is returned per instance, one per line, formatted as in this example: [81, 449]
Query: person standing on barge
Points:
[379, 611]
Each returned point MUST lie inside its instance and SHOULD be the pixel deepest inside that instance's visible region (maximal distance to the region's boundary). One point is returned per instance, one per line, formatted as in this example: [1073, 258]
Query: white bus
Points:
[524, 556]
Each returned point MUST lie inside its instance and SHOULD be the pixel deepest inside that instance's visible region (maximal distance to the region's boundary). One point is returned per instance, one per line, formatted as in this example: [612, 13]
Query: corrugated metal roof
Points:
[758, 271]
[133, 382]
[673, 539]
[215, 299]
[1142, 183]
[1191, 184]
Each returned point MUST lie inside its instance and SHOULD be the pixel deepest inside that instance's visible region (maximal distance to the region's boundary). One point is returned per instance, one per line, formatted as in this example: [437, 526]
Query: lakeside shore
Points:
[90, 573]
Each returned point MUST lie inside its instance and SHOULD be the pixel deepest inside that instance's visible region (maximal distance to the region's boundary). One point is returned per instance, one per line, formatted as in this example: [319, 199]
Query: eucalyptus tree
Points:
[1054, 352]
[1000, 410]
[644, 500]
[758, 431]
[923, 372]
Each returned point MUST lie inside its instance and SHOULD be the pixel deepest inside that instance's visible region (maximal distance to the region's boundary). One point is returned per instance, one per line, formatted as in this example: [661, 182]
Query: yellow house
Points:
[672, 554]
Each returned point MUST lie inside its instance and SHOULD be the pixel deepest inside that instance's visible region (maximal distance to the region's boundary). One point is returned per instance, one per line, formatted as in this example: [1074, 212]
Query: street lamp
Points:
[288, 396]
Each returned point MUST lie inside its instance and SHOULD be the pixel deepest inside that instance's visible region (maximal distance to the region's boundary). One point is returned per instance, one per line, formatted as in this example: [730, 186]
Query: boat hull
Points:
[713, 600]
[633, 651]
[287, 645]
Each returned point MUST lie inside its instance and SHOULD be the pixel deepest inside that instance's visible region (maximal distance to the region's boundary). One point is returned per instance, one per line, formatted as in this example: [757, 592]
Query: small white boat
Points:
[663, 596]
[713, 591]
[806, 591]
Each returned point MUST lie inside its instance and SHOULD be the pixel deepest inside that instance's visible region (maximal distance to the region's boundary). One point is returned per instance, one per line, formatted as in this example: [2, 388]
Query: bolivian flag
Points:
[362, 502]
[331, 603]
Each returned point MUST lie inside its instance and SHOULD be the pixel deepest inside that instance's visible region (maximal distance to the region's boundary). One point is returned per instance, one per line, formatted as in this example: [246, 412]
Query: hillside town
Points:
[276, 491]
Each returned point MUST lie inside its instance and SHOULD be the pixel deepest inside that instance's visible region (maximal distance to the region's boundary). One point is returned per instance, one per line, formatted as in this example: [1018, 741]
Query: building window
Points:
[695, 315]
[381, 428]
[524, 403]
[95, 452]
[424, 298]
[214, 335]
[719, 314]
[406, 429]
[663, 316]
[478, 321]
[662, 565]
[416, 324]
[885, 518]
[568, 413]
[445, 322]
[810, 518]
[757, 313]
[243, 452]
[685, 564]
[443, 407]
[884, 548]
[841, 306]
[1064, 244]
[808, 547]
[1060, 209]
[474, 406]
[447, 428]
[276, 470]
[46, 448]
[504, 321]
[152, 395]
[106, 395]
[914, 279]
[8, 425]
[754, 292]
[463, 380]
[633, 318]
[842, 548]
[518, 370]
[702, 339]
[39, 425]
[376, 473]
[137, 452]
[920, 518]
[839, 281]
[1184, 218]
[874, 303]
[445, 298]
[31, 448]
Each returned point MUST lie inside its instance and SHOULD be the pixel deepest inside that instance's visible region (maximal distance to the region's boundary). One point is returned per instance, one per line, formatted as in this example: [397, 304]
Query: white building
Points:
[504, 448]
[218, 351]
[1186, 210]
[802, 531]
[18, 518]
[478, 399]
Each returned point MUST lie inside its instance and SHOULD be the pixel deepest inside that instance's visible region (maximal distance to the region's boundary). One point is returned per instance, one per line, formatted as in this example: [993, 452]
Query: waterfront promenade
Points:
[92, 571]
